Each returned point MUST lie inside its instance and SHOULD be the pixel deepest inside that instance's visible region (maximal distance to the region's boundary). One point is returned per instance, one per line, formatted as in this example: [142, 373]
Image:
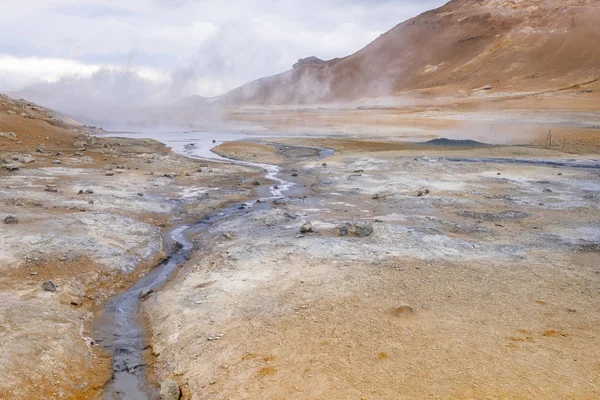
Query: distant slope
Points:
[512, 45]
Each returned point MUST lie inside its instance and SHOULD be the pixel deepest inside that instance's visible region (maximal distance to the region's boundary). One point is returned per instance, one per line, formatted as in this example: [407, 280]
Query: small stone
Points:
[169, 390]
[344, 231]
[56, 162]
[324, 164]
[256, 183]
[145, 293]
[49, 286]
[89, 191]
[560, 173]
[227, 235]
[498, 173]
[110, 173]
[187, 174]
[294, 174]
[51, 188]
[363, 229]
[547, 190]
[199, 170]
[140, 194]
[91, 202]
[306, 227]
[259, 201]
[11, 219]
[33, 273]
[80, 192]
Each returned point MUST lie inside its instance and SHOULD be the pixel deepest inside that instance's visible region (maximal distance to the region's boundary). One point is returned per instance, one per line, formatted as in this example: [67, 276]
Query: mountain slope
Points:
[512, 45]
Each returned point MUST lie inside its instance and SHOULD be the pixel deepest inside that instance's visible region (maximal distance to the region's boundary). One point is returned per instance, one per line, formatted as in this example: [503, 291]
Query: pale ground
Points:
[90, 250]
[502, 308]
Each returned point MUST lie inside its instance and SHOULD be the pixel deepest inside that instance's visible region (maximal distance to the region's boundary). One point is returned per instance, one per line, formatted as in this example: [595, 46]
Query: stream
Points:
[119, 329]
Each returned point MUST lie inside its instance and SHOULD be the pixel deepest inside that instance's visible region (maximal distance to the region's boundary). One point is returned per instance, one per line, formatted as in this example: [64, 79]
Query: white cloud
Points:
[197, 46]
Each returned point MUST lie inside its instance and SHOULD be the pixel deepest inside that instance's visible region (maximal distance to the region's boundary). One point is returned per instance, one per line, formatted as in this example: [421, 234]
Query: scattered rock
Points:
[51, 188]
[49, 286]
[344, 230]
[363, 229]
[169, 390]
[306, 227]
[11, 219]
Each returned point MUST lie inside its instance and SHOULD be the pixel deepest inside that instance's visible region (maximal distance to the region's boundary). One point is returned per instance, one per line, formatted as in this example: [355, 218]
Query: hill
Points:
[465, 45]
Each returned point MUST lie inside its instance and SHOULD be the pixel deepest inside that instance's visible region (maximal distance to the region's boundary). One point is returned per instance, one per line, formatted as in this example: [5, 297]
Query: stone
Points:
[306, 227]
[49, 286]
[145, 293]
[56, 162]
[199, 170]
[11, 167]
[256, 183]
[110, 173]
[294, 174]
[343, 230]
[363, 229]
[11, 112]
[169, 390]
[9, 135]
[11, 219]
[140, 194]
[51, 188]
[547, 190]
[78, 153]
[324, 164]
[227, 235]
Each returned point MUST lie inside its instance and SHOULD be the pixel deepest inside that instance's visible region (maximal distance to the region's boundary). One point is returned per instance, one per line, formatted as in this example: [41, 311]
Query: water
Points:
[119, 330]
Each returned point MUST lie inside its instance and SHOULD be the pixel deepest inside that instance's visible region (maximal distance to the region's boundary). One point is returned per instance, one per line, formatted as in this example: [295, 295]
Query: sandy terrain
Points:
[478, 281]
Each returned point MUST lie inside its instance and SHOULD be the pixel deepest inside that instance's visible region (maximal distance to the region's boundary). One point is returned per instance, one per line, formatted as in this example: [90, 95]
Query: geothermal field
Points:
[324, 233]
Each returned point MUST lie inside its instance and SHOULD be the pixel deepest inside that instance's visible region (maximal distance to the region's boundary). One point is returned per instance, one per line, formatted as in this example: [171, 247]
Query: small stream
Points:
[119, 329]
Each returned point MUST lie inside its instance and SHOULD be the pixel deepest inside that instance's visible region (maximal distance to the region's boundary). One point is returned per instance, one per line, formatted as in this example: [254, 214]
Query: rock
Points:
[491, 217]
[89, 191]
[11, 112]
[312, 60]
[363, 229]
[9, 135]
[56, 162]
[169, 390]
[40, 149]
[256, 183]
[11, 167]
[294, 174]
[259, 201]
[227, 235]
[78, 153]
[80, 143]
[324, 164]
[51, 188]
[188, 174]
[11, 219]
[49, 286]
[145, 293]
[59, 154]
[109, 174]
[547, 190]
[488, 87]
[170, 176]
[343, 230]
[140, 194]
[306, 227]
[559, 174]
[199, 170]
[91, 202]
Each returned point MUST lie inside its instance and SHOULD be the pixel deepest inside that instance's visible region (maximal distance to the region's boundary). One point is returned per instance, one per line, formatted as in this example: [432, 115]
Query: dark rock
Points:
[145, 293]
[547, 190]
[343, 230]
[256, 183]
[11, 219]
[363, 229]
[51, 188]
[49, 286]
[141, 194]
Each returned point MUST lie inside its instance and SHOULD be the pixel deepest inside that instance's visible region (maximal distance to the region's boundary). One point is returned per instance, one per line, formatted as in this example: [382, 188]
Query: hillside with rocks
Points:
[463, 46]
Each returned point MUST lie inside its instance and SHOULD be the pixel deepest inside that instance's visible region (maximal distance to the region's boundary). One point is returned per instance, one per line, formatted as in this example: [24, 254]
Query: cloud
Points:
[181, 47]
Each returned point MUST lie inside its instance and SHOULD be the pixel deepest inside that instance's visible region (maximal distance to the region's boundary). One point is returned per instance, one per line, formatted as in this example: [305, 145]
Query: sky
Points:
[167, 49]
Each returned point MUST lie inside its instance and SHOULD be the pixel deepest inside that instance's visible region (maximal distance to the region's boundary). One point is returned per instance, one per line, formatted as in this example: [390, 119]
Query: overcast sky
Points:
[185, 47]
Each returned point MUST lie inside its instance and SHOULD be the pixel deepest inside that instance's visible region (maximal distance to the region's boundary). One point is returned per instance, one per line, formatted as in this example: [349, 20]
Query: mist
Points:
[112, 62]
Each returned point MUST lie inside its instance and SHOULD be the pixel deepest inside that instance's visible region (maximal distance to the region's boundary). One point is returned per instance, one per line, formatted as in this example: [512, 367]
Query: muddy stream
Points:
[119, 330]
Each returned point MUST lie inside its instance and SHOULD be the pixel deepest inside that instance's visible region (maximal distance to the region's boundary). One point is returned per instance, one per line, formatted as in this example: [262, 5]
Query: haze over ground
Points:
[155, 51]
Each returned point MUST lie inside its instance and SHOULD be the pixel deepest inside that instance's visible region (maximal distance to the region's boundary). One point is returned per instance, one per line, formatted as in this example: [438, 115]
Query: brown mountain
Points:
[507, 45]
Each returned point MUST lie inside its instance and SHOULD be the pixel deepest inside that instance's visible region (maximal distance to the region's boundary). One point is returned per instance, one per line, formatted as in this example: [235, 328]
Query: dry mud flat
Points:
[91, 213]
[479, 280]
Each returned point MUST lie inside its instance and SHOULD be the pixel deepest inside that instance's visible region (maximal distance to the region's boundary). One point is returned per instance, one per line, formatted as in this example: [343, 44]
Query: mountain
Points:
[498, 45]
